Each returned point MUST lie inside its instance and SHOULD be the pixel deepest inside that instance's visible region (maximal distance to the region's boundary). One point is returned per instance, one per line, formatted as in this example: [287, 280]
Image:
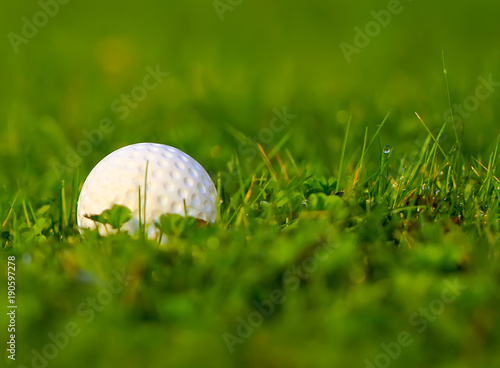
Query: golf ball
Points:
[151, 180]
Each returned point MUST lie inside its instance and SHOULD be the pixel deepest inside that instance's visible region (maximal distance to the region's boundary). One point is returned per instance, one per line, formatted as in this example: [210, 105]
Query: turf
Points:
[359, 214]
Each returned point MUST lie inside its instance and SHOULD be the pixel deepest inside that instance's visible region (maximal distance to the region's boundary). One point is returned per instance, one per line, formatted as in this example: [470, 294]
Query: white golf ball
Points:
[158, 178]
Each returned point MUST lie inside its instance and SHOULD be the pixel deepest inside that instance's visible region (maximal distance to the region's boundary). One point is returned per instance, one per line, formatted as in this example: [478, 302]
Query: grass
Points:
[357, 225]
[407, 226]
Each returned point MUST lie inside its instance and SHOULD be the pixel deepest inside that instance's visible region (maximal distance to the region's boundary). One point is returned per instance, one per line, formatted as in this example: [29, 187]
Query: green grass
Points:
[337, 234]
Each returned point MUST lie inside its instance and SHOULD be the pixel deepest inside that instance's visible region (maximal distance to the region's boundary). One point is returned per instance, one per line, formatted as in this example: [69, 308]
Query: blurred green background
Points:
[263, 55]
[227, 75]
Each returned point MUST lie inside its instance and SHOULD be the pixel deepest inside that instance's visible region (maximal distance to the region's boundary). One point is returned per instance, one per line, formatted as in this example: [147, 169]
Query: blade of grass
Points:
[267, 161]
[445, 72]
[432, 135]
[25, 210]
[63, 214]
[360, 164]
[9, 214]
[342, 153]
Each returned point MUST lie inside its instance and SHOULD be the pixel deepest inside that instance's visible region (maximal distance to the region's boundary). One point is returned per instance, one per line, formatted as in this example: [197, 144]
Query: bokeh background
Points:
[226, 76]
[235, 71]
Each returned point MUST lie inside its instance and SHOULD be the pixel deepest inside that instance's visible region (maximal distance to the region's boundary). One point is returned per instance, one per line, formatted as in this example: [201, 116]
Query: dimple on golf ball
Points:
[151, 180]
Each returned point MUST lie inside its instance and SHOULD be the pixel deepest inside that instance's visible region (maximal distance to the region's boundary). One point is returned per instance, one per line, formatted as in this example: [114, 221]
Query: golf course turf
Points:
[355, 153]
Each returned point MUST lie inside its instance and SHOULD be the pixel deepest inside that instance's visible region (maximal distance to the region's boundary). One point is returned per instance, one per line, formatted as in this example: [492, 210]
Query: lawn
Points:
[354, 149]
